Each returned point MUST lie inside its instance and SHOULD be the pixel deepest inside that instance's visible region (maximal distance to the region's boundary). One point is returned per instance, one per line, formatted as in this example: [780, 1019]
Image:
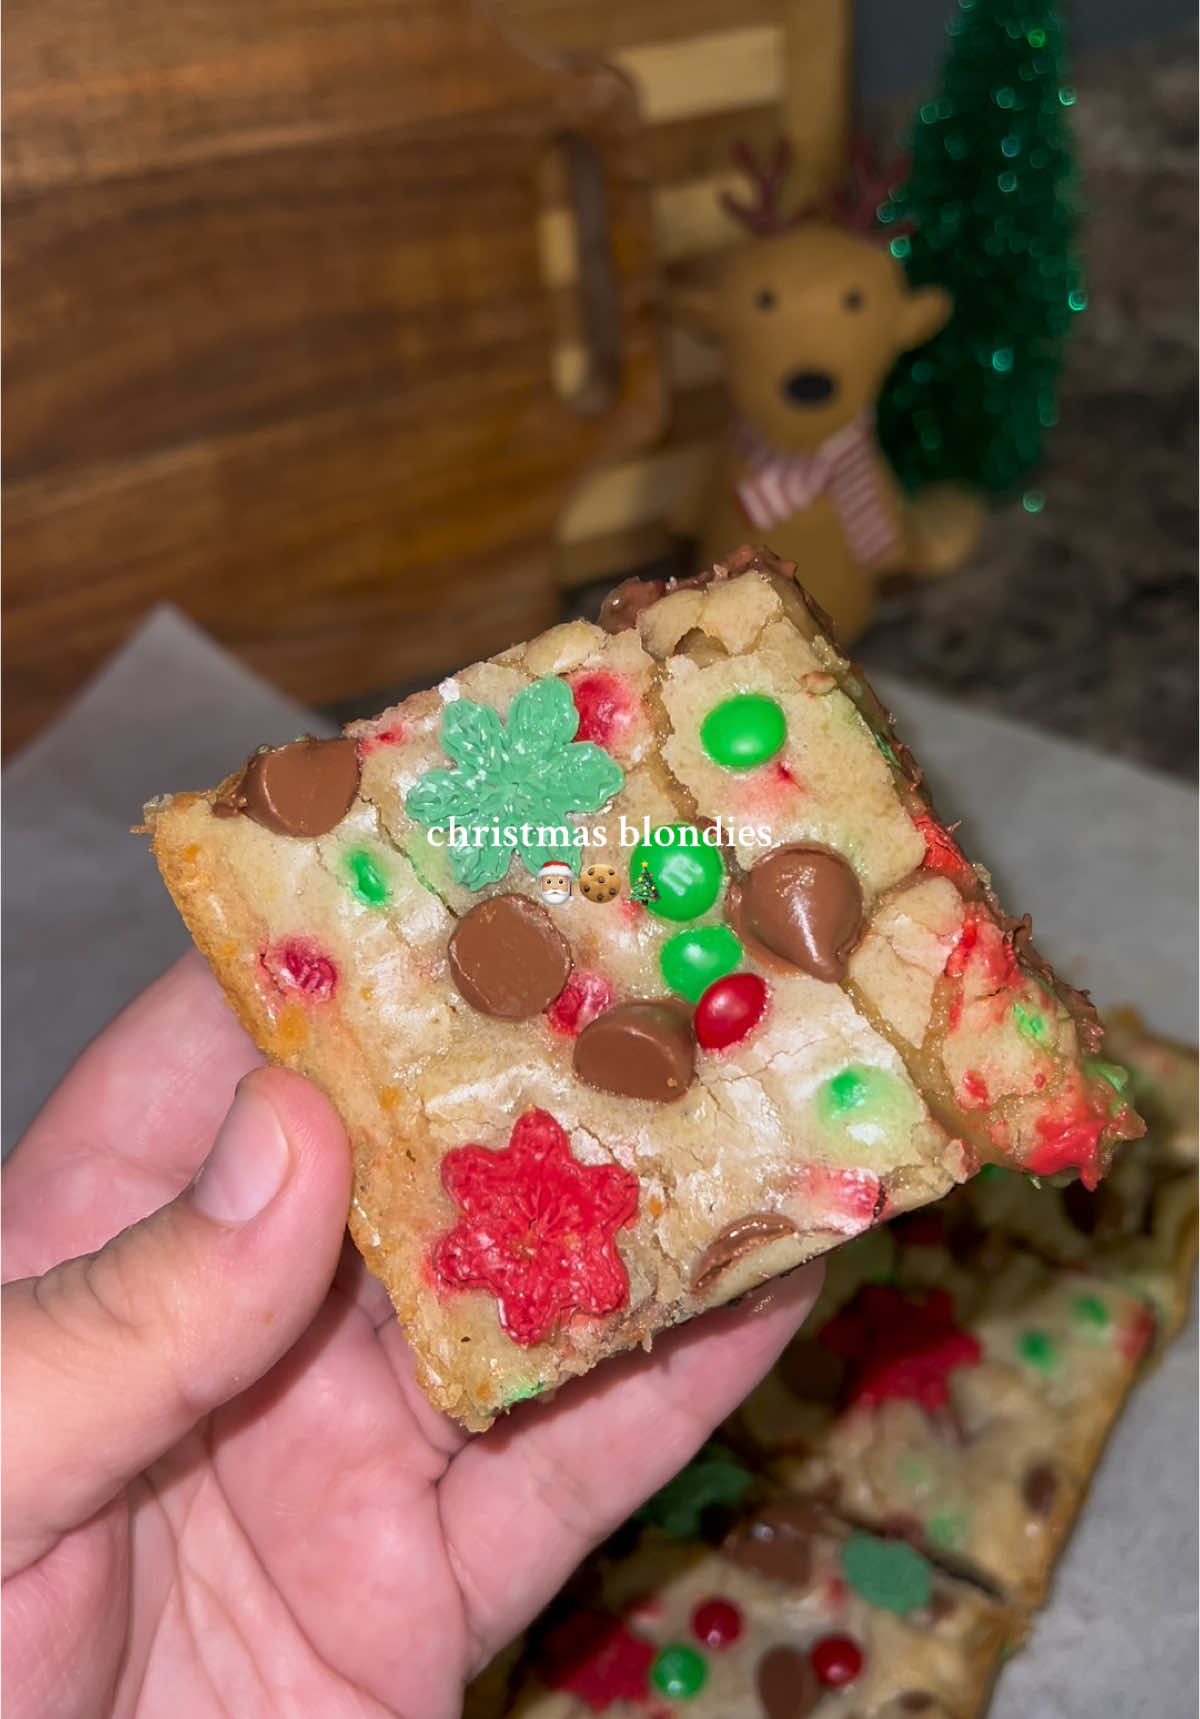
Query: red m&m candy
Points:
[837, 1660]
[729, 1009]
[717, 1623]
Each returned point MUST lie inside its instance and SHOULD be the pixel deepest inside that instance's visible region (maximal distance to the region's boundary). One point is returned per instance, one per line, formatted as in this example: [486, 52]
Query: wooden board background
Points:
[293, 309]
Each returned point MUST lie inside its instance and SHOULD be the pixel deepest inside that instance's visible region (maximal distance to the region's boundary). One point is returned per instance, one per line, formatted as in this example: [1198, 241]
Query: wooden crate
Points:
[294, 313]
[708, 73]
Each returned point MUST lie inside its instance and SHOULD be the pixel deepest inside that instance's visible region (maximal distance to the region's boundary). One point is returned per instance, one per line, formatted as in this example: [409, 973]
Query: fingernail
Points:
[248, 1164]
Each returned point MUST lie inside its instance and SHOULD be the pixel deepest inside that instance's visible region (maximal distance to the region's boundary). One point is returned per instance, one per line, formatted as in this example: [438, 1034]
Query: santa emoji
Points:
[554, 882]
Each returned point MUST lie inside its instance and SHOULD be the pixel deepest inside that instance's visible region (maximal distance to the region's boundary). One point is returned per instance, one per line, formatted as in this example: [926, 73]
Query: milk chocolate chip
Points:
[1039, 1488]
[776, 1543]
[639, 1050]
[788, 1685]
[508, 958]
[303, 789]
[735, 1241]
[621, 608]
[805, 905]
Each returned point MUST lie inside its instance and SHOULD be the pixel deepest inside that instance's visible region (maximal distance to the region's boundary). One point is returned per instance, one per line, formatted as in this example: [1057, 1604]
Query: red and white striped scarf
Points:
[844, 467]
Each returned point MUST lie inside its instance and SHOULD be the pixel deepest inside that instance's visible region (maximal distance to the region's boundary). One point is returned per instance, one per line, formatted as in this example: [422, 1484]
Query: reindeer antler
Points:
[868, 184]
[852, 205]
[768, 176]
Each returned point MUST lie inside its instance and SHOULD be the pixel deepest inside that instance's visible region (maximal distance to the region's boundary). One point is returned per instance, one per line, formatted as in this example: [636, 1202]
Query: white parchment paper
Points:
[1102, 855]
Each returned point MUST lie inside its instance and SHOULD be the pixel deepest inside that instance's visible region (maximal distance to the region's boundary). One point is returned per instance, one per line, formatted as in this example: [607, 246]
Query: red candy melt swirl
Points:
[899, 1346]
[942, 852]
[538, 1229]
[1068, 1142]
[369, 743]
[583, 998]
[299, 965]
[605, 706]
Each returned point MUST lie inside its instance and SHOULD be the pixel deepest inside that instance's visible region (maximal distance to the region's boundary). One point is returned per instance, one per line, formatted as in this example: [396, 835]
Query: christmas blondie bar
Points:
[953, 1388]
[782, 1614]
[640, 970]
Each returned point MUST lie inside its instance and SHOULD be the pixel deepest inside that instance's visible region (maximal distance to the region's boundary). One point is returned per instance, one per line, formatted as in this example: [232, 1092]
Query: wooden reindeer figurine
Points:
[812, 315]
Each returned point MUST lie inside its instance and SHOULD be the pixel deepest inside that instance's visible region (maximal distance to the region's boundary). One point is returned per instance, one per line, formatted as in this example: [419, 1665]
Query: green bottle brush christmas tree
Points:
[992, 201]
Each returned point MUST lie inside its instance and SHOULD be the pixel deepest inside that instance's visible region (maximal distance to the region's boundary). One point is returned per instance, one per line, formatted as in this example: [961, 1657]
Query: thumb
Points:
[111, 1358]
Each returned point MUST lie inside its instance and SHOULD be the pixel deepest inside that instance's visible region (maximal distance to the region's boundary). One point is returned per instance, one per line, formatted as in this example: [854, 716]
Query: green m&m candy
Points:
[742, 732]
[692, 960]
[679, 1672]
[686, 873]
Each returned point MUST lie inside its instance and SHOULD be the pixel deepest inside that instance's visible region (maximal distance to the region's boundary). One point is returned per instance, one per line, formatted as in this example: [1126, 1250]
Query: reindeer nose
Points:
[807, 387]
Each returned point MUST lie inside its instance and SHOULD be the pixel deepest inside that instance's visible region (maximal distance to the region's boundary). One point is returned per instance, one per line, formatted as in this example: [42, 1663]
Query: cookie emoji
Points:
[599, 883]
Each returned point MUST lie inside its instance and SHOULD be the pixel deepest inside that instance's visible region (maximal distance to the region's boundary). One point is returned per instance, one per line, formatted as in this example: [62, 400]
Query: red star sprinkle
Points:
[899, 1346]
[594, 1657]
[538, 1229]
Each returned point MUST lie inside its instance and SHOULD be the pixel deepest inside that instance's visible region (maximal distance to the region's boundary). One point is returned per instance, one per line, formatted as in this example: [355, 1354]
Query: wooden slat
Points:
[815, 104]
[186, 304]
[99, 88]
[696, 147]
[728, 69]
[689, 221]
[568, 26]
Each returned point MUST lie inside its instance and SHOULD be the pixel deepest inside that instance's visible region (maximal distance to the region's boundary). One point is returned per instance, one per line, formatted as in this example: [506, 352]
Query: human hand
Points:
[223, 1490]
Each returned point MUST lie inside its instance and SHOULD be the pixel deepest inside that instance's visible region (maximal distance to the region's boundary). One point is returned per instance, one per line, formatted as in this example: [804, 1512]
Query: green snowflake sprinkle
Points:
[713, 1476]
[516, 783]
[887, 1573]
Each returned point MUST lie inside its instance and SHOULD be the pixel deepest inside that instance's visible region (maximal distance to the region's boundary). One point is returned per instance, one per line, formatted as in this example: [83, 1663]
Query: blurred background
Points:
[355, 335]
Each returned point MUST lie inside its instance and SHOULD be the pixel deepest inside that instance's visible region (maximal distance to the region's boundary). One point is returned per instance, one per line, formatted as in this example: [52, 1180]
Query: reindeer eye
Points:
[853, 300]
[765, 299]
